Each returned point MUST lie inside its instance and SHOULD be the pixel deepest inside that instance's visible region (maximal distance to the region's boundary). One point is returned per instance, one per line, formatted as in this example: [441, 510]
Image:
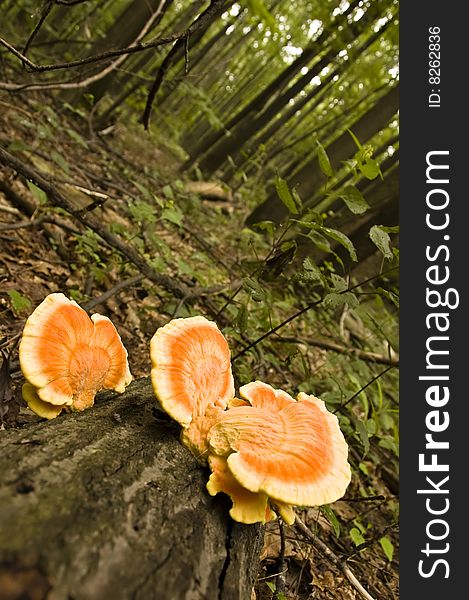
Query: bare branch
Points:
[333, 558]
[70, 2]
[328, 345]
[92, 78]
[44, 14]
[88, 220]
[216, 6]
[114, 290]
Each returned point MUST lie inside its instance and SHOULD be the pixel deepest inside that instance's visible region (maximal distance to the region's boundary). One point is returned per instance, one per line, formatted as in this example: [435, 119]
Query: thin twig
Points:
[333, 558]
[88, 220]
[21, 224]
[305, 309]
[364, 388]
[111, 292]
[10, 210]
[327, 345]
[45, 12]
[280, 579]
[214, 7]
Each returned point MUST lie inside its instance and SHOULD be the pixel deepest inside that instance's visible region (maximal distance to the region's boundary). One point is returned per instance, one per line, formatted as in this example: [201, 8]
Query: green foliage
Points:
[19, 302]
[354, 200]
[324, 162]
[273, 588]
[380, 237]
[39, 194]
[287, 197]
[356, 536]
[388, 547]
[330, 515]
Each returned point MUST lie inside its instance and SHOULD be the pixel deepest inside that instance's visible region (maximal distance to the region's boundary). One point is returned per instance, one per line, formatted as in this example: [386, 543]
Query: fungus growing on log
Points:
[191, 368]
[267, 451]
[67, 357]
[289, 450]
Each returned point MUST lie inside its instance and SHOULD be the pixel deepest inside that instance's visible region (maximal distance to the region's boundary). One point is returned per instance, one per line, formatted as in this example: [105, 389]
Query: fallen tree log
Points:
[107, 504]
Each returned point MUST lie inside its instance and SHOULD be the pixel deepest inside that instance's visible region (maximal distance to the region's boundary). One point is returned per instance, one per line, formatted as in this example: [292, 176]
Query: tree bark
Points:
[107, 504]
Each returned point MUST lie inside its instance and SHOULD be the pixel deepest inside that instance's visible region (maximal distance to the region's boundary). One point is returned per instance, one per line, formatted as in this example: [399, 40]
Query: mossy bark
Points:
[107, 504]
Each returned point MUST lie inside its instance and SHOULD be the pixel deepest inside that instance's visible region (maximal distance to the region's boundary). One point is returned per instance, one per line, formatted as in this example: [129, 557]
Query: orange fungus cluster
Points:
[266, 450]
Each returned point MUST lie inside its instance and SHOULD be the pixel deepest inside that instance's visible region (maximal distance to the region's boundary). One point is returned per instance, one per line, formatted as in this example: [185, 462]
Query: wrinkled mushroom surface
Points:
[267, 451]
[191, 368]
[291, 450]
[66, 357]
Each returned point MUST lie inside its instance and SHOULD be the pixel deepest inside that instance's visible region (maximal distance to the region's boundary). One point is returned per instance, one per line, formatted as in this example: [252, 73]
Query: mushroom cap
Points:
[38, 406]
[191, 368]
[69, 357]
[291, 450]
[248, 507]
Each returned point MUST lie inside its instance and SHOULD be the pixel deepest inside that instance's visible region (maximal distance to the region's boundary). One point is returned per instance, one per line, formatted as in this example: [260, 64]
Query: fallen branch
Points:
[326, 345]
[108, 504]
[114, 290]
[88, 220]
[333, 558]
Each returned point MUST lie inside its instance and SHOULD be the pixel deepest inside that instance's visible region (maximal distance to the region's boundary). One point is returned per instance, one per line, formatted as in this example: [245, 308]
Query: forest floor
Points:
[117, 178]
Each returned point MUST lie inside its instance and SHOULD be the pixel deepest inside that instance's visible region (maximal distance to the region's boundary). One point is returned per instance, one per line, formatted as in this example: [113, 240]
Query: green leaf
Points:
[311, 272]
[363, 433]
[19, 302]
[332, 518]
[381, 240]
[77, 137]
[297, 199]
[334, 300]
[168, 192]
[389, 295]
[255, 289]
[324, 162]
[268, 226]
[241, 320]
[338, 283]
[394, 229]
[356, 536]
[39, 194]
[370, 168]
[185, 268]
[173, 215]
[388, 547]
[142, 212]
[285, 195]
[340, 237]
[354, 200]
[320, 241]
[17, 146]
[60, 160]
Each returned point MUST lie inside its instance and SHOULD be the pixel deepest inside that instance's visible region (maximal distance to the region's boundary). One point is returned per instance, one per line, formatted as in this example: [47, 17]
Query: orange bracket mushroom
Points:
[267, 450]
[67, 357]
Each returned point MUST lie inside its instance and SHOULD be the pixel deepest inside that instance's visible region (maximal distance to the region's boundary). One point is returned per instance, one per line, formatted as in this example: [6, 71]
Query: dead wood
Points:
[108, 504]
